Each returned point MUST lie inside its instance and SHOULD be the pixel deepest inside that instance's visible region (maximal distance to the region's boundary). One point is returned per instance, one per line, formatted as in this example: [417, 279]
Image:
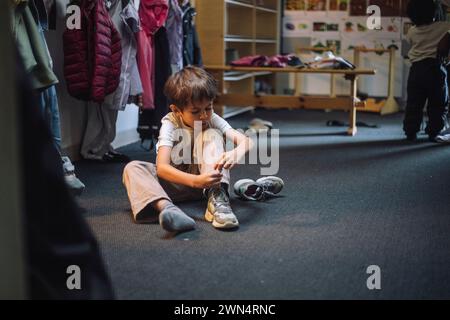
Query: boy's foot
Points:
[259, 189]
[411, 137]
[219, 211]
[172, 219]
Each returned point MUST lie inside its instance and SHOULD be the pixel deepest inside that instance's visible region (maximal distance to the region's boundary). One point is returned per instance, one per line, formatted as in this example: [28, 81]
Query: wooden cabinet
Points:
[230, 29]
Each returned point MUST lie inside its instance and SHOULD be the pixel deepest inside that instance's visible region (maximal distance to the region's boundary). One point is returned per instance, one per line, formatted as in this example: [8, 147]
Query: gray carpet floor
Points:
[348, 203]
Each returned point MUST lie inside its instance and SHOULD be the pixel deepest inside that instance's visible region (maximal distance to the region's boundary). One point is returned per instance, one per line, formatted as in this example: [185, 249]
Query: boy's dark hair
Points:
[189, 86]
[421, 12]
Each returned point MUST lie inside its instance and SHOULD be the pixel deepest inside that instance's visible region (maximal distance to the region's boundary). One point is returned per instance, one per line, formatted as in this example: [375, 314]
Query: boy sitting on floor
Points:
[176, 177]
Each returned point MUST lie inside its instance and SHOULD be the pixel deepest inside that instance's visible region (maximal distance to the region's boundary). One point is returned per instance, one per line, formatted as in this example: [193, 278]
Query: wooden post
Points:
[352, 112]
[391, 105]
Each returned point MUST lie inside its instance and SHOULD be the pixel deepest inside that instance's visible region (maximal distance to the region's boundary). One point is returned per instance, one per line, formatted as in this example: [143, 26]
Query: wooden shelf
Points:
[266, 9]
[237, 39]
[244, 27]
[239, 4]
[238, 76]
[266, 41]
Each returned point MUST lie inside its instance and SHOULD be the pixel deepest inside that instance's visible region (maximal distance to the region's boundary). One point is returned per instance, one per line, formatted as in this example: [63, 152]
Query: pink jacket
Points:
[153, 14]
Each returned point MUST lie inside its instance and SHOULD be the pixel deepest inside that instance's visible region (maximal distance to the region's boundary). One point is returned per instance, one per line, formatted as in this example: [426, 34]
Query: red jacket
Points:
[92, 54]
[153, 14]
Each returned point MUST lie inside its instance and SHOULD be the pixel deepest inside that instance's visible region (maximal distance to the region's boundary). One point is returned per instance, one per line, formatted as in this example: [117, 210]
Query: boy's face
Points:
[201, 111]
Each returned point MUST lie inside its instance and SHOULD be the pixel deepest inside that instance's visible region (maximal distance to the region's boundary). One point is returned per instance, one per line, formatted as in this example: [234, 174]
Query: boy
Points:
[427, 77]
[176, 177]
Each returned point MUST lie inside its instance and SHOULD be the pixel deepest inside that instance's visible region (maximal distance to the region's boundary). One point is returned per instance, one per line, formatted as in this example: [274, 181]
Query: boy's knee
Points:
[130, 167]
[139, 167]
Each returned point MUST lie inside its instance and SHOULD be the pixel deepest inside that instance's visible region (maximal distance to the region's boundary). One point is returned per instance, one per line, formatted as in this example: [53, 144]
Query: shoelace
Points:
[220, 200]
[265, 186]
[265, 193]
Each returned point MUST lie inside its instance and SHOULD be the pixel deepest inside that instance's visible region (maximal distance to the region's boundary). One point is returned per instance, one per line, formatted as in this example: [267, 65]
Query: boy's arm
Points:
[243, 145]
[167, 172]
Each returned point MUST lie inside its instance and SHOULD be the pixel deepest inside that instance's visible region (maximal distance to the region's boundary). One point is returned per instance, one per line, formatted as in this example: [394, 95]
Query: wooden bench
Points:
[347, 103]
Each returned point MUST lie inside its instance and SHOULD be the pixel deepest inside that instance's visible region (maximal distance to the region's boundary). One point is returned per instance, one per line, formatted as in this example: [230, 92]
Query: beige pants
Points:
[144, 187]
[100, 131]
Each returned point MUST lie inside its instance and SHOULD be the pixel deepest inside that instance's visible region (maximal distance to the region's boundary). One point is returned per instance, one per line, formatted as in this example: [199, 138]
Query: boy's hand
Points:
[227, 161]
[208, 180]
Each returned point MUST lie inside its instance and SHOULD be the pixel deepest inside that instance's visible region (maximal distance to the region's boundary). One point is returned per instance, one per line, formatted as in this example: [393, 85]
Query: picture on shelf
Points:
[317, 5]
[295, 5]
[319, 45]
[343, 5]
[296, 26]
[349, 26]
[319, 26]
[361, 27]
[358, 7]
[333, 5]
[333, 27]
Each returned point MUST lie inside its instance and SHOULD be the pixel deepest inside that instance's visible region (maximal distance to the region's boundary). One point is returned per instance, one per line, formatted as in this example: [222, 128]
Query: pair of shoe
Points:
[260, 189]
[76, 187]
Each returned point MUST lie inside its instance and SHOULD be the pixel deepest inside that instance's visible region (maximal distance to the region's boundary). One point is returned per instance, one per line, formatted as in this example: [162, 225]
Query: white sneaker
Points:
[74, 184]
[219, 211]
[258, 190]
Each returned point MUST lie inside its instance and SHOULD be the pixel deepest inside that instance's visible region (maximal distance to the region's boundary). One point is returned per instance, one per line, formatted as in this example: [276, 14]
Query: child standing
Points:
[194, 166]
[427, 77]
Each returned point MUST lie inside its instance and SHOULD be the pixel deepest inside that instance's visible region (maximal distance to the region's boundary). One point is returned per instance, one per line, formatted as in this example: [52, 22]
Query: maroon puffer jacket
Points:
[92, 54]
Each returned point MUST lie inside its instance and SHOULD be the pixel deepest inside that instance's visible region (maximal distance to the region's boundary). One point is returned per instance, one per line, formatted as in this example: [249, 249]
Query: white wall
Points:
[126, 126]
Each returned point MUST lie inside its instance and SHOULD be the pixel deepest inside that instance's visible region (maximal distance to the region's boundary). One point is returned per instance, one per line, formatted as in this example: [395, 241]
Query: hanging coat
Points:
[32, 50]
[174, 26]
[92, 54]
[192, 54]
[126, 21]
[153, 14]
[150, 120]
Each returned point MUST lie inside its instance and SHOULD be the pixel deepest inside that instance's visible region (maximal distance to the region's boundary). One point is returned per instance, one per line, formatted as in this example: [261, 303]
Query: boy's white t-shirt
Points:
[171, 122]
[424, 40]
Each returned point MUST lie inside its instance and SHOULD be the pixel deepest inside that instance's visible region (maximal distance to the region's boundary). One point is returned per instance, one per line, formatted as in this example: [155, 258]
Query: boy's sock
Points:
[172, 218]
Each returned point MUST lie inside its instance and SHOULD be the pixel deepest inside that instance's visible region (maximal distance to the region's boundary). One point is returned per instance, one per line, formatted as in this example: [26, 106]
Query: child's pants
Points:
[144, 187]
[427, 81]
